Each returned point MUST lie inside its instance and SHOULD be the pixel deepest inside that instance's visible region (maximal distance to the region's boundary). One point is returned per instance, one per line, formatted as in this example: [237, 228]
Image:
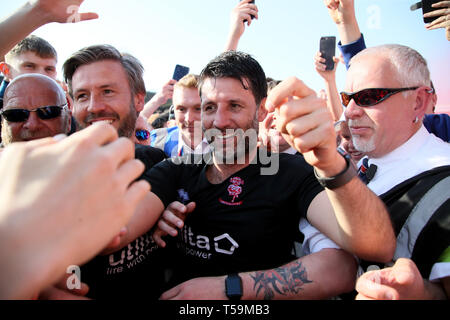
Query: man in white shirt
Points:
[386, 99]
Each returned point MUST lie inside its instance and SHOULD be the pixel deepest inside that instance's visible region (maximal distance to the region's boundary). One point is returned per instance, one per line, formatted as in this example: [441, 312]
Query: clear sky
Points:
[285, 38]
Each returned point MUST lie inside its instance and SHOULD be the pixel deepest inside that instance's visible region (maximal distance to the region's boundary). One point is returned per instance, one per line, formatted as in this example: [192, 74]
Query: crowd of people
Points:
[246, 187]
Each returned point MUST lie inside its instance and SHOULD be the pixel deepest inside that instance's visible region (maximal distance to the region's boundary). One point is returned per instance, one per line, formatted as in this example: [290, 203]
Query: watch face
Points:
[233, 287]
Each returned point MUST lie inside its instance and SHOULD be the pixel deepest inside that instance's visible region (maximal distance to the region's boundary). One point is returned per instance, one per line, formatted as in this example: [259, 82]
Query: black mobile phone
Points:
[328, 50]
[179, 72]
[253, 17]
[426, 7]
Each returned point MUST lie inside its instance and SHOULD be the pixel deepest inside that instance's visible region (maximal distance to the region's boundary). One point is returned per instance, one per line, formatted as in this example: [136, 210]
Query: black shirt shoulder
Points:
[149, 155]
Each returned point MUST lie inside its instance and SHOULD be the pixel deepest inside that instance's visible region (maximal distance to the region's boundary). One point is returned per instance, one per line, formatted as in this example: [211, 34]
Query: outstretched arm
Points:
[351, 214]
[147, 213]
[241, 13]
[50, 228]
[343, 14]
[320, 275]
[35, 14]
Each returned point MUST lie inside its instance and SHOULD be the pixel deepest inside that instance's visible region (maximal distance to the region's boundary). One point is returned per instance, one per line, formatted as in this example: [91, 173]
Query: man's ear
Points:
[262, 111]
[69, 102]
[5, 69]
[423, 101]
[139, 101]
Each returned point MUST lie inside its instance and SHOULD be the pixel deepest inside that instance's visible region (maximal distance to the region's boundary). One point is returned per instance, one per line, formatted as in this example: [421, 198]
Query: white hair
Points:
[410, 66]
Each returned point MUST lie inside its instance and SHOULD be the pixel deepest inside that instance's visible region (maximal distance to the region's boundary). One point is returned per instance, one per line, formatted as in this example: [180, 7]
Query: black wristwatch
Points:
[342, 178]
[233, 287]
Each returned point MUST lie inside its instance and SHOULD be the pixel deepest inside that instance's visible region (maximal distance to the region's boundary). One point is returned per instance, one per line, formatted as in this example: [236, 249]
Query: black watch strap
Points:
[233, 286]
[342, 178]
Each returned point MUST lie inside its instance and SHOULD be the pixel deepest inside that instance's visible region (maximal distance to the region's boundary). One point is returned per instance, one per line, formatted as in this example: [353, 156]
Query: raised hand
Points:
[444, 17]
[341, 11]
[239, 16]
[306, 119]
[80, 192]
[62, 11]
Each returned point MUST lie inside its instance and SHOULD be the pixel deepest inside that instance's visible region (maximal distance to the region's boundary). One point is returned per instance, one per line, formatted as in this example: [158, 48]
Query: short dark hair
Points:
[42, 48]
[88, 55]
[240, 66]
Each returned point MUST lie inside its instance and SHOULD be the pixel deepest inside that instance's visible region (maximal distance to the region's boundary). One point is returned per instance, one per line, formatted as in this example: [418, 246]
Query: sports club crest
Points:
[234, 190]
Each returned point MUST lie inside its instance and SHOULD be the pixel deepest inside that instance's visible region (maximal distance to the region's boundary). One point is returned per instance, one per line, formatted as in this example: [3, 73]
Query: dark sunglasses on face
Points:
[142, 135]
[372, 96]
[22, 115]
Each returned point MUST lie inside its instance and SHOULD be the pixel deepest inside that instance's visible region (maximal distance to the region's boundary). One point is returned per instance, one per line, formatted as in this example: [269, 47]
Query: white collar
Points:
[411, 146]
[422, 152]
[201, 148]
[290, 151]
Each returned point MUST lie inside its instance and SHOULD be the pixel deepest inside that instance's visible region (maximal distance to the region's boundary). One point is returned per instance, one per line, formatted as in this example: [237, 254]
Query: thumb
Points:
[190, 207]
[405, 271]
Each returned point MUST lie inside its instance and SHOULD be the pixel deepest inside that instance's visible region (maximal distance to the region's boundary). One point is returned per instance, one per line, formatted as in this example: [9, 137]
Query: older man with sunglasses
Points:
[387, 93]
[35, 107]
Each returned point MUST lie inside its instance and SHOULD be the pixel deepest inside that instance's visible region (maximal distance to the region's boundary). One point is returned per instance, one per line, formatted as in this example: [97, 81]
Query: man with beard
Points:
[35, 107]
[106, 85]
[244, 222]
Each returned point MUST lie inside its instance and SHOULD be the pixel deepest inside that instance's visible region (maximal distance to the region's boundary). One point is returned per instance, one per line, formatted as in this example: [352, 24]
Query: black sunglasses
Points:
[372, 96]
[142, 135]
[22, 115]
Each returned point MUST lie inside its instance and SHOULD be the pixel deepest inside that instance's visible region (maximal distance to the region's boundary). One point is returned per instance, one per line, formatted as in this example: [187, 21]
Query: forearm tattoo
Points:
[285, 280]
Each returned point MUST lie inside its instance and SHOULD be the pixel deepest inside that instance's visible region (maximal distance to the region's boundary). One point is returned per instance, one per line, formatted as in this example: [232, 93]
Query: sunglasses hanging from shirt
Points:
[22, 115]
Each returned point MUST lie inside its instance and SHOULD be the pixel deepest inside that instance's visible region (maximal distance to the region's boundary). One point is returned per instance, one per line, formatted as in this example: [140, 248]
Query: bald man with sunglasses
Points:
[387, 94]
[35, 107]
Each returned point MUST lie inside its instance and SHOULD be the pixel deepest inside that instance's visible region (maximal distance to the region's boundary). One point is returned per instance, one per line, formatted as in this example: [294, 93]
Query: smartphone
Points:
[179, 72]
[328, 50]
[426, 7]
[253, 17]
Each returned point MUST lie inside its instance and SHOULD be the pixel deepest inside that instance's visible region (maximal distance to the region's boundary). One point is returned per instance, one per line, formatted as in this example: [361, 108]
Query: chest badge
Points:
[234, 190]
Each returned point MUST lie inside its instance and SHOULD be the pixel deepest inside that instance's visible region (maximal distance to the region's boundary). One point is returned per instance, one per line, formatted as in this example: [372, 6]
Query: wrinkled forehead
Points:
[31, 93]
[371, 71]
[98, 74]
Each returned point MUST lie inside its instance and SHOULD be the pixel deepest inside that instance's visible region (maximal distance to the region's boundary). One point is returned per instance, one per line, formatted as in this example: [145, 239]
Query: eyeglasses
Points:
[372, 96]
[142, 135]
[22, 115]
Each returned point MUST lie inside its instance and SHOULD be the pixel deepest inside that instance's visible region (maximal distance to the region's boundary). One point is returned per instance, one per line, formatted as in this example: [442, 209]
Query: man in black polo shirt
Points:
[245, 219]
[106, 85]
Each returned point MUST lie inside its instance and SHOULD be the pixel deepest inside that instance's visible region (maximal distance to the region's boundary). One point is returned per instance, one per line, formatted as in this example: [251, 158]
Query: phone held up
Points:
[179, 72]
[252, 16]
[426, 7]
[328, 50]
